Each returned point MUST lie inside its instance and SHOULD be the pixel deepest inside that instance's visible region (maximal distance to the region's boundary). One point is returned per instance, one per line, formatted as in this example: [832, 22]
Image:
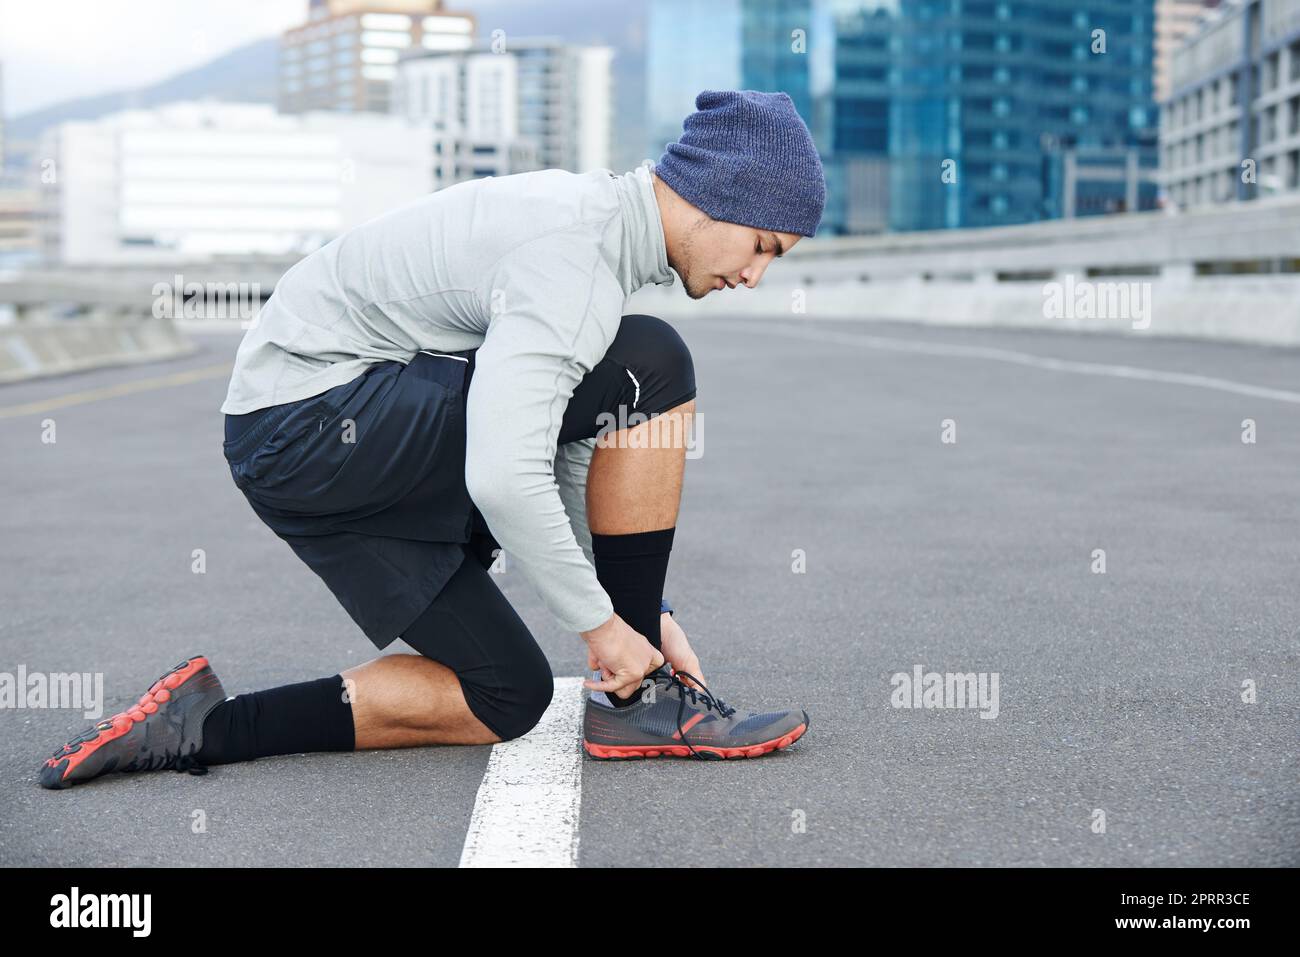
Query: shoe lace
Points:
[700, 695]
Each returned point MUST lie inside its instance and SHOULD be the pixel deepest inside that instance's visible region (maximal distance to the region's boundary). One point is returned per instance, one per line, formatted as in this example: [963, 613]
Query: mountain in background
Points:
[249, 74]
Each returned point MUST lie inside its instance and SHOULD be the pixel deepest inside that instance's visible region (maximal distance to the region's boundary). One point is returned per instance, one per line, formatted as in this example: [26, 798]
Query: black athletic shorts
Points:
[366, 481]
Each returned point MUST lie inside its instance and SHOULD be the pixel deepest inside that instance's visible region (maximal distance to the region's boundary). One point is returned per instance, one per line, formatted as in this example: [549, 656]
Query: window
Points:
[1270, 73]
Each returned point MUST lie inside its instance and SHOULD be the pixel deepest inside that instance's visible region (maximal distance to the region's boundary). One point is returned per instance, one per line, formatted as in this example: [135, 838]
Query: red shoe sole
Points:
[110, 729]
[681, 751]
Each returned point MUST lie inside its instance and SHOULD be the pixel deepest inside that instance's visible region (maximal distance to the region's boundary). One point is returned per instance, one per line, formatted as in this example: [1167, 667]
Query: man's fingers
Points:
[615, 683]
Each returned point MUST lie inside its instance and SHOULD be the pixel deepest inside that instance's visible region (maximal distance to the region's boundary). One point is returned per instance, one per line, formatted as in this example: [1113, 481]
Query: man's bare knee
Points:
[407, 700]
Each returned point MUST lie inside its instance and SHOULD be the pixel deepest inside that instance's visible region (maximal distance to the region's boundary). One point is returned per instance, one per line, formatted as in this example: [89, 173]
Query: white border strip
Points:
[526, 813]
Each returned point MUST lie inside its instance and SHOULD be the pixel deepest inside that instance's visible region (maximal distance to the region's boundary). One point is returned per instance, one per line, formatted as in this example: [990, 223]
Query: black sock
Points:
[292, 719]
[632, 569]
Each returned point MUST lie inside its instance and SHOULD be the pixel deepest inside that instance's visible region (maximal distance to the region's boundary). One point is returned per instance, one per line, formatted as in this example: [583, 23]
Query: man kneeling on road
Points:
[427, 390]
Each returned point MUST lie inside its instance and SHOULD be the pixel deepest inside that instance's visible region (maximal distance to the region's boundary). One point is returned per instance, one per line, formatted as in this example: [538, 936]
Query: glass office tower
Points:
[934, 114]
[999, 111]
[774, 49]
[690, 46]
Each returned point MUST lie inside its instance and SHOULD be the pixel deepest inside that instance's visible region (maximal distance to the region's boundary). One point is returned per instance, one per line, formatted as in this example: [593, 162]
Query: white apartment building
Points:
[471, 103]
[206, 179]
[553, 95]
[1231, 127]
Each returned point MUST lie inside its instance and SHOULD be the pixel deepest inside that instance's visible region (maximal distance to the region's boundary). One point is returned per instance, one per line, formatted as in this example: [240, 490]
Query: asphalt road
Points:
[1120, 692]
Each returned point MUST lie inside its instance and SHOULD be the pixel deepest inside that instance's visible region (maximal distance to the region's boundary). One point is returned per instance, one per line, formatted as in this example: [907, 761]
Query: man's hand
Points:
[677, 649]
[623, 656]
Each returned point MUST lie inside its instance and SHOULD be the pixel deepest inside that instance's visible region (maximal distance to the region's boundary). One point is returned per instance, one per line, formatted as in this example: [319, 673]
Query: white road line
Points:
[526, 813]
[1049, 363]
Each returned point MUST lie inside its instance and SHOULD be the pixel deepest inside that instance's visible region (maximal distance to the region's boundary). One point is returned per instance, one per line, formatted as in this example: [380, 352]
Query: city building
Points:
[783, 46]
[207, 179]
[786, 46]
[934, 114]
[344, 58]
[471, 101]
[18, 227]
[551, 95]
[857, 151]
[457, 159]
[1175, 19]
[991, 113]
[690, 46]
[1231, 128]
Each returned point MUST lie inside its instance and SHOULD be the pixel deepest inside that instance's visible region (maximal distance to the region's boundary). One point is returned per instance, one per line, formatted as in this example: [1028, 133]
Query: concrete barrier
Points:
[29, 350]
[1261, 310]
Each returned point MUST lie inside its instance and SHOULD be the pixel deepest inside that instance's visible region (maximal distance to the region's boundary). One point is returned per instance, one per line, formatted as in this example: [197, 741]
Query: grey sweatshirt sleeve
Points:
[555, 307]
[572, 462]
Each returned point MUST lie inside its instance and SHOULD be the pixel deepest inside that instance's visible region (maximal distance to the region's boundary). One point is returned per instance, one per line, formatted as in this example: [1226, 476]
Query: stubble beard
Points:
[684, 272]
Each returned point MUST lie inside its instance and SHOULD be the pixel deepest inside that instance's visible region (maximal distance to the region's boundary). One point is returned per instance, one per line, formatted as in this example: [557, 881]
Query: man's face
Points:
[720, 255]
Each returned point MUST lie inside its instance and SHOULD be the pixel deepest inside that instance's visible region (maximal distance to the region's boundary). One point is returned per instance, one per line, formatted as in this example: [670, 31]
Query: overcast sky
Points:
[57, 49]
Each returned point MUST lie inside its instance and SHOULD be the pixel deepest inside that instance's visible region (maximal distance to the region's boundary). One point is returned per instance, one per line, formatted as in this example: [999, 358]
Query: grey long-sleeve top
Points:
[533, 270]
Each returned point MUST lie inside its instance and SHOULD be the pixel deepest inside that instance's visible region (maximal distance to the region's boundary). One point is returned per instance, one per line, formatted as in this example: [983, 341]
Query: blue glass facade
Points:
[690, 46]
[984, 112]
[774, 49]
[997, 94]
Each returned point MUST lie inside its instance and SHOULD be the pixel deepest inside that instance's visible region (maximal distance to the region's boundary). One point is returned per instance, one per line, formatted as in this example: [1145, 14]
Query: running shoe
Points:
[164, 729]
[678, 720]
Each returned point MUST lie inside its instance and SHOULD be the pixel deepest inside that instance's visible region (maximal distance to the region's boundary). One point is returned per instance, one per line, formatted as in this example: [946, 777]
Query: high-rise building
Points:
[554, 96]
[471, 101]
[774, 55]
[1175, 19]
[783, 46]
[857, 165]
[690, 46]
[1231, 128]
[344, 58]
[565, 102]
[998, 112]
[204, 179]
